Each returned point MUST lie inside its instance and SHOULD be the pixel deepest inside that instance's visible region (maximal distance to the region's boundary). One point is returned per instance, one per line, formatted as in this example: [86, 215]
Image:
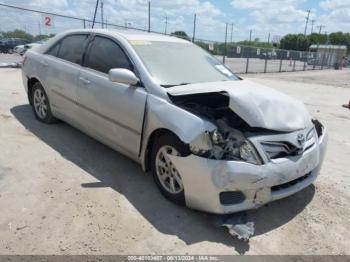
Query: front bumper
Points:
[204, 179]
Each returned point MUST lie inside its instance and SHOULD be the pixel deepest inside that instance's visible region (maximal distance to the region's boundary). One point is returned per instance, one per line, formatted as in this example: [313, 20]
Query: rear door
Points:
[62, 65]
[110, 111]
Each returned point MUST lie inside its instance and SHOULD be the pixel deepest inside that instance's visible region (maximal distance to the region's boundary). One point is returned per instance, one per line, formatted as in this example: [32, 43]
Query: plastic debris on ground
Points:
[236, 224]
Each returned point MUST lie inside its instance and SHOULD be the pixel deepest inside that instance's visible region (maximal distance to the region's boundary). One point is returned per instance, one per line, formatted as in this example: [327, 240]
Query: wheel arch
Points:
[30, 83]
[150, 142]
[162, 116]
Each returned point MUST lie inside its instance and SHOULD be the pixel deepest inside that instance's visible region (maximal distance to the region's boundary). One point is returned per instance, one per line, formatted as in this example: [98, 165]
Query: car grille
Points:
[279, 149]
[290, 183]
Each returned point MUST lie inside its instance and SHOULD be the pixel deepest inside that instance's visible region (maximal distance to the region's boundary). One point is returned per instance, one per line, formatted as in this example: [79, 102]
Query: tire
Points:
[165, 142]
[42, 110]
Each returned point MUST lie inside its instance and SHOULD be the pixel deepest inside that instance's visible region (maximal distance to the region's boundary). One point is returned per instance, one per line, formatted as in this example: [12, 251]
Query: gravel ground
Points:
[62, 192]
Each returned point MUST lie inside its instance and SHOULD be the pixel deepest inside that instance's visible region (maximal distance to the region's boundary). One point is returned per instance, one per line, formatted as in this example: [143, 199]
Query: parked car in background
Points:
[35, 44]
[18, 49]
[7, 45]
[212, 140]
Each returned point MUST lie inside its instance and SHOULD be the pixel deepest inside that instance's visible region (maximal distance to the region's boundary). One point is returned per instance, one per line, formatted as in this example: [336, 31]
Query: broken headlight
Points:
[247, 153]
[230, 145]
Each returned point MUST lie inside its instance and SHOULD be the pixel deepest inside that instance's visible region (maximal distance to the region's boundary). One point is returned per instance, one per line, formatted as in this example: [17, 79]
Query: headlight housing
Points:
[248, 153]
[230, 145]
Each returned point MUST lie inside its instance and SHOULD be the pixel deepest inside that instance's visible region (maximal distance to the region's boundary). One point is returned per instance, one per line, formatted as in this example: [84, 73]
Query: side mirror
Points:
[124, 76]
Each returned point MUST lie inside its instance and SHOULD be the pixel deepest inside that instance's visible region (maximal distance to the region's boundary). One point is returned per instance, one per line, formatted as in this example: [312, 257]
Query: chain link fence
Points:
[247, 59]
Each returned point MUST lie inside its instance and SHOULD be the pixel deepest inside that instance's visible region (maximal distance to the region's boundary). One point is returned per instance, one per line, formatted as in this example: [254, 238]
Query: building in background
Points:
[328, 54]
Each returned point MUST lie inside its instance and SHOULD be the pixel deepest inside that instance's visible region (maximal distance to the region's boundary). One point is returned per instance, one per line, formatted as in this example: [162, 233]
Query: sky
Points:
[276, 17]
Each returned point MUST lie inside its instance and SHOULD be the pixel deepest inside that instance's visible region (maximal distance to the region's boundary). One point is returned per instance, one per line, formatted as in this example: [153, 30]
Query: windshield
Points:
[180, 63]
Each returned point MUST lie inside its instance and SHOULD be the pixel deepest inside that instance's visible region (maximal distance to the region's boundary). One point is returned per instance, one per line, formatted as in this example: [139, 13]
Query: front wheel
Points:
[165, 174]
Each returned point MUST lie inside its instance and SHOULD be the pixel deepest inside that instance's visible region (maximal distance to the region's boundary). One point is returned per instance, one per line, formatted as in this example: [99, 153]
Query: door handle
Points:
[85, 80]
[44, 63]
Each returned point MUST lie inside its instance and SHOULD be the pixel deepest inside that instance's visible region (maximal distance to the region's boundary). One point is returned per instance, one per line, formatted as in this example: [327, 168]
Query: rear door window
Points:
[72, 48]
[105, 54]
[54, 50]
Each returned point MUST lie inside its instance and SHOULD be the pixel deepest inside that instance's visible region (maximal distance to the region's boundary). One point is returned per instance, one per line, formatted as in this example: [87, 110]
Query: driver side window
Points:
[104, 54]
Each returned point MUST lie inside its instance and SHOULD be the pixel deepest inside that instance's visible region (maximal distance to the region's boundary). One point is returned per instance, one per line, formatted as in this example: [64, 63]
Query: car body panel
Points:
[112, 110]
[258, 105]
[204, 178]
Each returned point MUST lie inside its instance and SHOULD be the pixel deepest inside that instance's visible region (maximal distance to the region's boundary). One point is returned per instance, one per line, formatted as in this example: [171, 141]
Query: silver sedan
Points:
[213, 141]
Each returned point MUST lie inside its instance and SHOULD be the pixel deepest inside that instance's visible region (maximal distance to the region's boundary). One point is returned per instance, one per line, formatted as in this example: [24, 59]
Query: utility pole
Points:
[225, 46]
[194, 27]
[307, 20]
[268, 39]
[231, 32]
[102, 21]
[318, 45]
[320, 27]
[106, 23]
[312, 25]
[166, 24]
[93, 21]
[84, 23]
[149, 16]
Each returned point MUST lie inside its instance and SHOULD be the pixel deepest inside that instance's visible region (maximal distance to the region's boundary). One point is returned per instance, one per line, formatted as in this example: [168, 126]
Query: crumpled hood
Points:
[256, 104]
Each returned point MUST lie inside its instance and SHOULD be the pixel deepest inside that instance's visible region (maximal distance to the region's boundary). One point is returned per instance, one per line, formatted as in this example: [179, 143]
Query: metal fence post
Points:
[225, 46]
[322, 61]
[315, 60]
[266, 59]
[280, 64]
[247, 64]
[294, 65]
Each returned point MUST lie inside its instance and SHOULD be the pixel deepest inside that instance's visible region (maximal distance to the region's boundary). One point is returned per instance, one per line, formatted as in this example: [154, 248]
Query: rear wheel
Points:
[41, 105]
[165, 174]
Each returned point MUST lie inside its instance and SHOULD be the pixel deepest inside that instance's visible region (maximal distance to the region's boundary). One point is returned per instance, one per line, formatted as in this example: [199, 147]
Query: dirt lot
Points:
[62, 192]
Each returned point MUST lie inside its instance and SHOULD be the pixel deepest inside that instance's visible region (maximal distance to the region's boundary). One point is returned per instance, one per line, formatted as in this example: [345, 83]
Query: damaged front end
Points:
[237, 166]
[227, 142]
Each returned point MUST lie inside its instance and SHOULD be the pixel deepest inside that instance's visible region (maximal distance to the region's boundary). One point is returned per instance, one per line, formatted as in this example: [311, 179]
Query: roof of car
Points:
[133, 35]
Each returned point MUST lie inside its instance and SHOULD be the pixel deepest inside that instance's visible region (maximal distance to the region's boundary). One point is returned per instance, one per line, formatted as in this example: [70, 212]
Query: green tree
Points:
[339, 38]
[17, 34]
[181, 34]
[40, 37]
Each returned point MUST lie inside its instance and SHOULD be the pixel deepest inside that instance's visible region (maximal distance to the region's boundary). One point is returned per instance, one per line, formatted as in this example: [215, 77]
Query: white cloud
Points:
[336, 16]
[335, 4]
[263, 4]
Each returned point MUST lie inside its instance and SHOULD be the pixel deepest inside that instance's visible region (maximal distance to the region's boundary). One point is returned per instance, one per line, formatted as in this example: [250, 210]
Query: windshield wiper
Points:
[182, 84]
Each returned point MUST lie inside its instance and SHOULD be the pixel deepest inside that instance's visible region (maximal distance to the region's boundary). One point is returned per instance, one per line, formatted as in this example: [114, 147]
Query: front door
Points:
[112, 112]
